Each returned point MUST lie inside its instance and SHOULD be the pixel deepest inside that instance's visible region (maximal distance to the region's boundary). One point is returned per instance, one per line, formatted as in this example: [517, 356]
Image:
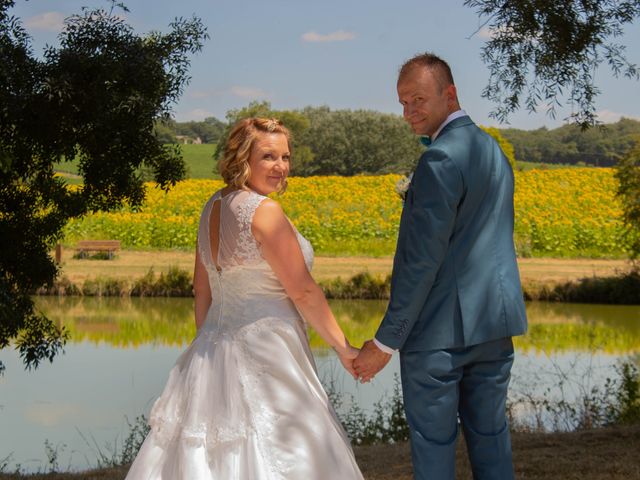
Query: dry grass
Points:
[126, 264]
[133, 263]
[556, 270]
[611, 453]
[608, 453]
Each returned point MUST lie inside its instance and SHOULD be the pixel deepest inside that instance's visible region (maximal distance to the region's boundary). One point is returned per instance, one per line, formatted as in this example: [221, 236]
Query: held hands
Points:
[370, 361]
[347, 355]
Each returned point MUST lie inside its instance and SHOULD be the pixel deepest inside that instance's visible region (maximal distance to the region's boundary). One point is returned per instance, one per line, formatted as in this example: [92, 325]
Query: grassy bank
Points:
[622, 289]
[168, 273]
[132, 264]
[607, 453]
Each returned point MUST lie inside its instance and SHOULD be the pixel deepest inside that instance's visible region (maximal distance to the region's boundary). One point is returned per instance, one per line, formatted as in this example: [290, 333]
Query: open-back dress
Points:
[244, 400]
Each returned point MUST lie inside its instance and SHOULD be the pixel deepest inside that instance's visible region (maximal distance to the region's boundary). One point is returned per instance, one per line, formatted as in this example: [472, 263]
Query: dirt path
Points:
[132, 264]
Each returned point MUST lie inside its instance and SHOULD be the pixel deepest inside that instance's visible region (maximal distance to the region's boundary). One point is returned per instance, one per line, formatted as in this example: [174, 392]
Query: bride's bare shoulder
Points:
[269, 218]
[267, 211]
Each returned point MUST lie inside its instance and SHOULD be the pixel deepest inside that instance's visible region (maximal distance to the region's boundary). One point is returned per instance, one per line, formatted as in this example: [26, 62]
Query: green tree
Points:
[215, 129]
[542, 49]
[94, 97]
[602, 146]
[340, 142]
[628, 174]
[346, 142]
[165, 131]
[208, 131]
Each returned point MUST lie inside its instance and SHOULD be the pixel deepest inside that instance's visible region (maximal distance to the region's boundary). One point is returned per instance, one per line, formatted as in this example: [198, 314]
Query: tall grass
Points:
[623, 289]
[579, 404]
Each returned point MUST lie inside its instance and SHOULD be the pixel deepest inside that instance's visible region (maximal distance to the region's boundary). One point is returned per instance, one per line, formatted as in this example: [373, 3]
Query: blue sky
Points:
[340, 53]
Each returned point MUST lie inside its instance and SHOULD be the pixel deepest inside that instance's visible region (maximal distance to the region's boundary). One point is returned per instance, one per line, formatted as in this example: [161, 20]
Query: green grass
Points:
[200, 164]
[67, 167]
[70, 178]
[198, 158]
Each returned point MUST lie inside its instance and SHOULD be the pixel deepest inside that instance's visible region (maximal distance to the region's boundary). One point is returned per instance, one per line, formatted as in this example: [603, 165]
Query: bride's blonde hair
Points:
[234, 166]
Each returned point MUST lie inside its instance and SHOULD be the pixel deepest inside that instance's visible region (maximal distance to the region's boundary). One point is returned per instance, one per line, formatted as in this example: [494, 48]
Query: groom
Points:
[456, 299]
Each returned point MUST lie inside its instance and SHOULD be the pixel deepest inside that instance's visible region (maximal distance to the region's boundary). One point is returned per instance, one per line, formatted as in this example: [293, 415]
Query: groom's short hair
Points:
[434, 63]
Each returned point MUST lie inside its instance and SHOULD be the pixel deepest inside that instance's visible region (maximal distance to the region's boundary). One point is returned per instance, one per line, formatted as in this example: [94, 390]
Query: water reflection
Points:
[126, 322]
[121, 351]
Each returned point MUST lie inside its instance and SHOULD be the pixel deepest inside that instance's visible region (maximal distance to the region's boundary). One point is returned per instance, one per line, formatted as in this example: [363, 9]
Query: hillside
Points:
[198, 158]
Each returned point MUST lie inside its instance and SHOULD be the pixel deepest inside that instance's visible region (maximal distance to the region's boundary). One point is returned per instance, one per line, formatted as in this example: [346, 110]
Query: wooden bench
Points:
[85, 246]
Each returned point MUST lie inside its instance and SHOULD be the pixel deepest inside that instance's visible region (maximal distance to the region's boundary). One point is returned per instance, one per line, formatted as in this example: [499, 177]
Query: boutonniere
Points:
[402, 186]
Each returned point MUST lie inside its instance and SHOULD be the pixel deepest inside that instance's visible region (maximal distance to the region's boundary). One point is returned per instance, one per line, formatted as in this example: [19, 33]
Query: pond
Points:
[121, 351]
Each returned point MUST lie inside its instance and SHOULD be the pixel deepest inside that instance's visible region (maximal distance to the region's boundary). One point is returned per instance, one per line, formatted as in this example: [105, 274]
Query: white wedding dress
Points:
[244, 400]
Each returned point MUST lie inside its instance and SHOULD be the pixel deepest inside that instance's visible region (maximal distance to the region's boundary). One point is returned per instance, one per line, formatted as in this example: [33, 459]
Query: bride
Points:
[244, 400]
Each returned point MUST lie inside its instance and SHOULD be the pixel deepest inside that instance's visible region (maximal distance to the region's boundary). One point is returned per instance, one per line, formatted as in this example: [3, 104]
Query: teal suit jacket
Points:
[455, 280]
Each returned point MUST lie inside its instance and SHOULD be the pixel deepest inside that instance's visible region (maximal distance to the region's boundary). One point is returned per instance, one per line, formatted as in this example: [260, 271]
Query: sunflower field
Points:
[569, 212]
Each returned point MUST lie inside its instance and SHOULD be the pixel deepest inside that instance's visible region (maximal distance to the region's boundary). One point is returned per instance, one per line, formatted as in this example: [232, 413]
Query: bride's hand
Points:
[347, 356]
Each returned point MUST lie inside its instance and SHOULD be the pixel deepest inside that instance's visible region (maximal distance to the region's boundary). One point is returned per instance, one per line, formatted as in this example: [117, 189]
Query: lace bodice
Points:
[245, 278]
[237, 245]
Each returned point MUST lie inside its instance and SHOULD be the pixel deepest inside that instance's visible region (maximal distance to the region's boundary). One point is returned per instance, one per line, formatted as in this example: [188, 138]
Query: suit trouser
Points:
[470, 382]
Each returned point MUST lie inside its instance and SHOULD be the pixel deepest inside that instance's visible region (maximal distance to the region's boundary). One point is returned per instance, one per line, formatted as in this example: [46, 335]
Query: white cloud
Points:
[607, 116]
[196, 115]
[248, 92]
[339, 36]
[48, 21]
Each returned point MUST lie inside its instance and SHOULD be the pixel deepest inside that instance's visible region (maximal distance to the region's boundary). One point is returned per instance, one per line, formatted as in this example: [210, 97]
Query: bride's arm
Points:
[281, 250]
[201, 291]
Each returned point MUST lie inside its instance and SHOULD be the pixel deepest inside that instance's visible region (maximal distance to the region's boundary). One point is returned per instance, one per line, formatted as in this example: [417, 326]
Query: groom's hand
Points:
[370, 361]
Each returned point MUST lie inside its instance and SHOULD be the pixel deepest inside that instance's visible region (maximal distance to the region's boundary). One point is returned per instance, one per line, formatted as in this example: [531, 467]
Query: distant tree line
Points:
[351, 142]
[325, 141]
[340, 142]
[601, 146]
[207, 131]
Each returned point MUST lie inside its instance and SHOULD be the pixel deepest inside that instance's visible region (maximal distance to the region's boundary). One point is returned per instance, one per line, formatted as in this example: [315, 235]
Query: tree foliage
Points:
[165, 133]
[94, 97]
[542, 50]
[339, 142]
[210, 130]
[628, 174]
[602, 146]
[353, 142]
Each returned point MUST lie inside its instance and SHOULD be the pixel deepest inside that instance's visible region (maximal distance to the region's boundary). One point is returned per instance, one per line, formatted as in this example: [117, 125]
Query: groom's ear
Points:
[452, 94]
